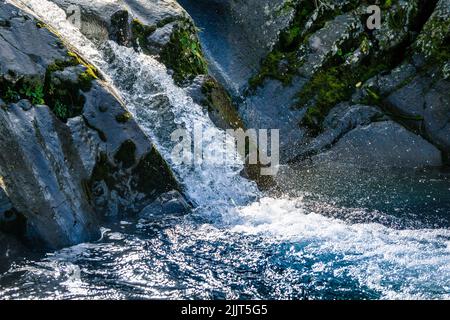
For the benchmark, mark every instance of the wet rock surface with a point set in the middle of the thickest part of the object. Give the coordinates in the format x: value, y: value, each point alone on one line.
x: 324, y: 56
x: 65, y: 166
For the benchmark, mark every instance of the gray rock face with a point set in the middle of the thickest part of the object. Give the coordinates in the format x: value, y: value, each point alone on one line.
x: 60, y: 179
x: 381, y: 144
x: 43, y: 176
x: 247, y: 30
x: 437, y: 115
x: 25, y: 49
x: 333, y: 35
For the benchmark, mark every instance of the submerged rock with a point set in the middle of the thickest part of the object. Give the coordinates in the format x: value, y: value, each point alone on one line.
x: 171, y: 203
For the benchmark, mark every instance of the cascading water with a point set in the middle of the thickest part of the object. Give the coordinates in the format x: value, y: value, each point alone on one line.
x: 249, y: 246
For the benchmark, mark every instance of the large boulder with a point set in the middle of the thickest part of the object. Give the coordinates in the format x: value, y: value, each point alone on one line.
x: 248, y: 29
x: 161, y: 28
x: 381, y: 144
x: 71, y: 152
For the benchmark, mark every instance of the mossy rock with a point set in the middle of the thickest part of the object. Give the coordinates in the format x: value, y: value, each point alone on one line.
x: 220, y: 105
x: 183, y: 53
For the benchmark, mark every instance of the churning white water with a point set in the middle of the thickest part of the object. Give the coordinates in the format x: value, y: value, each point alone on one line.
x: 253, y: 246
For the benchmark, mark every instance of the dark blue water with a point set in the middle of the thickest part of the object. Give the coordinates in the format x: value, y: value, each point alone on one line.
x: 276, y: 248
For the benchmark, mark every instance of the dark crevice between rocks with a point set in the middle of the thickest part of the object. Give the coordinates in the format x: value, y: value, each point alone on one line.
x: 14, y: 223
x: 125, y: 174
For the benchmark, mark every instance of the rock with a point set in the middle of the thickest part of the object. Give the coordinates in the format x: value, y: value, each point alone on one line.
x: 324, y: 43
x: 24, y: 104
x: 66, y: 166
x: 270, y: 108
x: 22, y: 42
x: 10, y: 250
x: 170, y: 203
x: 381, y: 144
x: 384, y: 84
x: 43, y: 177
x: 341, y: 119
x: 160, y: 27
x: 160, y: 37
x: 248, y: 30
x: 437, y: 115
x: 432, y: 42
x: 409, y: 101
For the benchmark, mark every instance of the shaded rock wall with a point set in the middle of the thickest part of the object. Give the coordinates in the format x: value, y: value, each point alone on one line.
x: 71, y: 152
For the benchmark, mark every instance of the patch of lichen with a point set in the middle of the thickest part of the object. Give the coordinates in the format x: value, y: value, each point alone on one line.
x: 220, y: 106
x: 91, y: 73
x: 183, y: 53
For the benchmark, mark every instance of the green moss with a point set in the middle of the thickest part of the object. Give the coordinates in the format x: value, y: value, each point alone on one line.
x: 8, y: 92
x: 65, y: 99
x: 277, y: 65
x: 91, y: 70
x: 124, y: 117
x: 434, y: 40
x: 327, y: 88
x: 183, y: 54
x: 387, y: 4
x: 26, y: 88
x: 85, y: 80
x: 34, y: 92
x: 397, y: 19
x: 333, y: 85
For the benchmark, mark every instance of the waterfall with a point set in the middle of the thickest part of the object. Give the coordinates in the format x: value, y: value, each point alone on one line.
x: 159, y: 107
